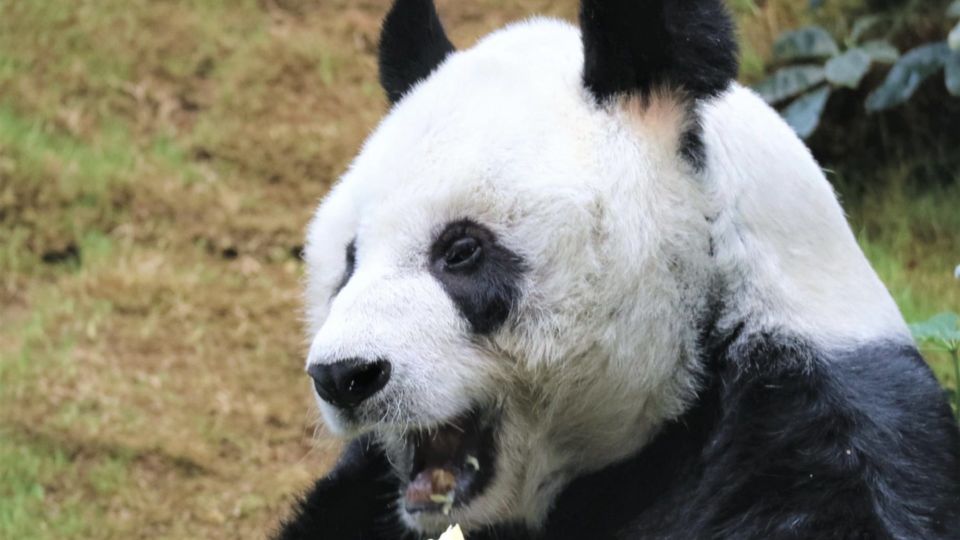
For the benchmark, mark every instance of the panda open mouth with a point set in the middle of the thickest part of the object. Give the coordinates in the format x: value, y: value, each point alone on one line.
x: 451, y: 464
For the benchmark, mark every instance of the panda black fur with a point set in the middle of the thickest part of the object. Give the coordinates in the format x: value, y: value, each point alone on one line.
x: 863, y: 450
x: 630, y: 278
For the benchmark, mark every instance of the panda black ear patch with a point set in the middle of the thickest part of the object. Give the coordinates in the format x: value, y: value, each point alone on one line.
x: 639, y: 46
x: 412, y: 44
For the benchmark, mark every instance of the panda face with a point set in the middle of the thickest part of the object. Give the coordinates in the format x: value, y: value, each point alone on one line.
x: 516, y: 280
x: 517, y: 291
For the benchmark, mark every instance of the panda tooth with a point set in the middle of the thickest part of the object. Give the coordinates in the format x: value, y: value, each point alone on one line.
x: 473, y: 462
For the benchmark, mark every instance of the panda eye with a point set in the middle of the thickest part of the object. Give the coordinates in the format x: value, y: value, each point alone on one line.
x: 463, y: 254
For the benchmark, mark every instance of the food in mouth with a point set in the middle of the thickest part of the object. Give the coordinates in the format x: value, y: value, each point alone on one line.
x: 450, y: 465
x: 452, y: 533
x: 436, y: 486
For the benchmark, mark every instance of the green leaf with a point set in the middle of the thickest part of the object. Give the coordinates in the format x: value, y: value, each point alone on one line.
x: 804, y: 113
x: 953, y: 40
x: 805, y: 43
x: 882, y: 52
x: 863, y: 25
x: 789, y: 82
x: 954, y: 9
x: 848, y: 69
x: 907, y: 75
x: 952, y: 70
x: 942, y: 330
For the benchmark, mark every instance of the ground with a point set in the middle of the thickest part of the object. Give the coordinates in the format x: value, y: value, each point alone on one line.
x: 158, y: 164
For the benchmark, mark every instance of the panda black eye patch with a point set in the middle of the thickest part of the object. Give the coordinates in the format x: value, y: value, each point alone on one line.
x: 480, y: 275
x: 350, y: 266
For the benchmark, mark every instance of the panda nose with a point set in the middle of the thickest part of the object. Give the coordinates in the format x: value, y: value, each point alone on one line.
x: 347, y: 383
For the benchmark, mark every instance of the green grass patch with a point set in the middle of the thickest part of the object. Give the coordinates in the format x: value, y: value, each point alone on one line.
x: 56, y: 189
x: 912, y: 238
x: 34, y: 503
x: 26, y: 471
x: 87, y: 170
x: 60, y: 192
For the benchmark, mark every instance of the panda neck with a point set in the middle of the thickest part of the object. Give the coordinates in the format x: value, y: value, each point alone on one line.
x: 783, y: 249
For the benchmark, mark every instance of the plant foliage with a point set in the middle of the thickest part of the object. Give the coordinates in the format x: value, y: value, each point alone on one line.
x: 812, y: 65
x: 942, y: 333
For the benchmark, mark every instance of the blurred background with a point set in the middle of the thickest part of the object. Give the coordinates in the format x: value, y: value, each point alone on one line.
x: 159, y: 160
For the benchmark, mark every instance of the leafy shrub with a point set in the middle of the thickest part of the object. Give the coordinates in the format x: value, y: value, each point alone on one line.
x: 813, y: 66
x: 942, y: 333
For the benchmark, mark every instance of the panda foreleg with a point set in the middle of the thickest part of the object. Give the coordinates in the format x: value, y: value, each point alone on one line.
x: 356, y: 500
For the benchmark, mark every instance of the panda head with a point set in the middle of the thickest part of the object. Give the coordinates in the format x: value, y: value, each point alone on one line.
x: 511, y: 284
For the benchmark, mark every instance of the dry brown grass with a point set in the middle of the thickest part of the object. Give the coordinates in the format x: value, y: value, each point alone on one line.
x: 164, y: 158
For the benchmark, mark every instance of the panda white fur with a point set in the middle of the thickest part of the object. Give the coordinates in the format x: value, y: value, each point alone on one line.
x: 612, y: 292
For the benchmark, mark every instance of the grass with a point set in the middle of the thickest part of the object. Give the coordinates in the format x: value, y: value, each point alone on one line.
x: 912, y: 238
x: 28, y: 472
x: 158, y: 162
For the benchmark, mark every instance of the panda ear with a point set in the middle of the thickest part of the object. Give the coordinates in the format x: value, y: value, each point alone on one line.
x: 638, y: 46
x: 412, y: 44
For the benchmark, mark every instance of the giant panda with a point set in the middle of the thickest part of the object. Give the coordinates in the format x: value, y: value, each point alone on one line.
x: 594, y: 288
